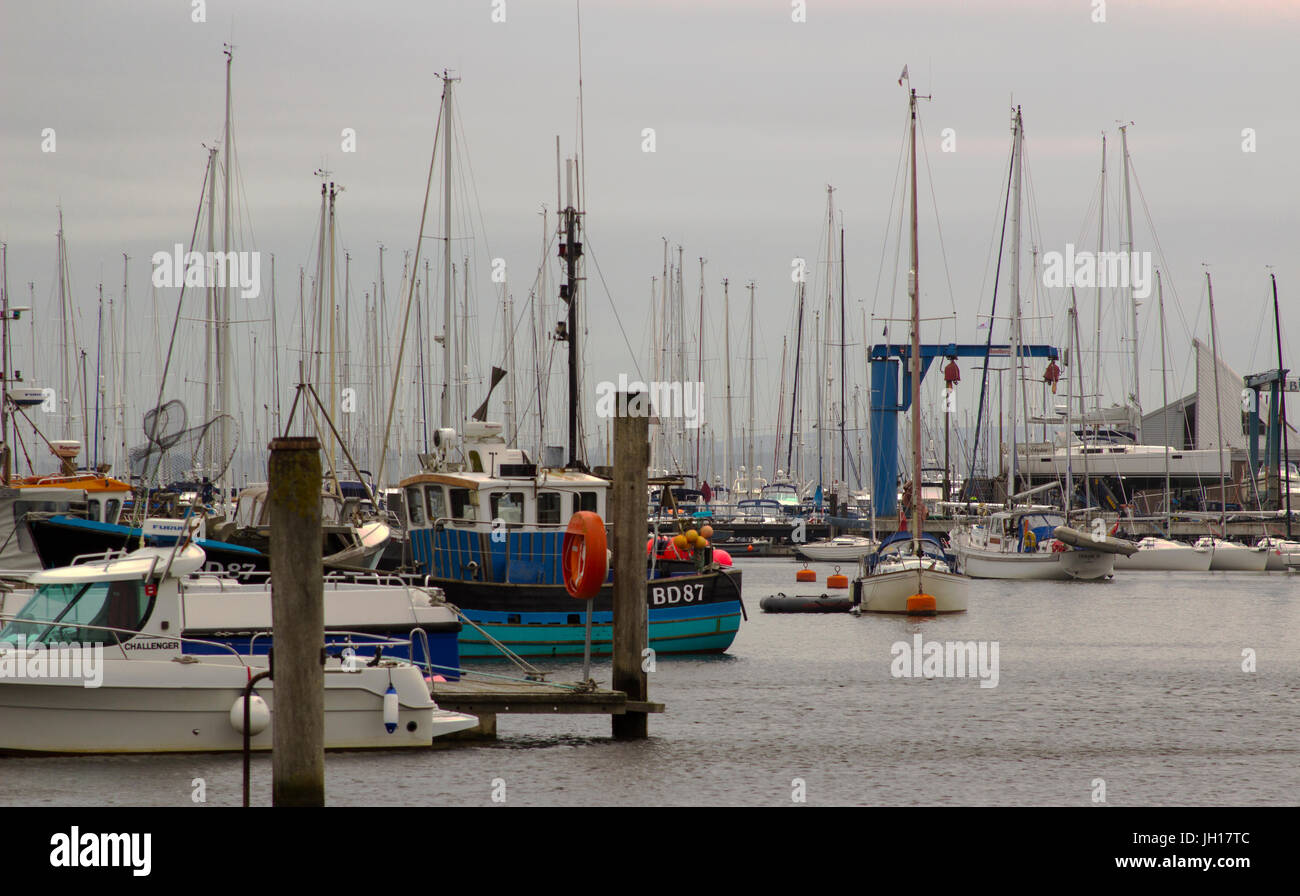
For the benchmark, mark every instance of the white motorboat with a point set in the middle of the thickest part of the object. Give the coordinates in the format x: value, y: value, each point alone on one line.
x: 1229, y: 556
x: 124, y: 681
x: 1023, y: 545
x: 840, y: 549
x: 1155, y: 553
x: 912, y: 577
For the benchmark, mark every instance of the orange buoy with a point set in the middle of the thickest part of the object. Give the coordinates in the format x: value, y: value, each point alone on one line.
x: 805, y: 575
x: 837, y: 581
x: 921, y: 605
x: 583, y: 555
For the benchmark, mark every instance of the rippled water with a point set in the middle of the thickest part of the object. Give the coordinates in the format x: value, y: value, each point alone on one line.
x: 1137, y: 682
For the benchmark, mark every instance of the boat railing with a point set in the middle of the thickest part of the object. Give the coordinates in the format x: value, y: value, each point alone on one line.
x: 337, y: 578
x: 118, y: 641
x: 442, y: 522
x: 223, y: 580
x: 105, y: 556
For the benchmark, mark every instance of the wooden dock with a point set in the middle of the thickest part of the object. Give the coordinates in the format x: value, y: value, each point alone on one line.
x: 487, y: 699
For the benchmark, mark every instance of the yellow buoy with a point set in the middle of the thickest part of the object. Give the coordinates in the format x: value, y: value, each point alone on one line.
x: 921, y: 605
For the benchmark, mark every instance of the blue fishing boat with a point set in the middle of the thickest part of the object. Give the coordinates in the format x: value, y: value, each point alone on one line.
x: 490, y: 537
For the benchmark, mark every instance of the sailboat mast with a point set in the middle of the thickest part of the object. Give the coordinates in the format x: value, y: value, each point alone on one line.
x: 1132, y: 299
x: 844, y: 445
x: 1101, y: 247
x: 123, y: 457
x: 914, y: 286
x: 1072, y: 326
x: 1218, y: 414
x: 445, y: 417
x: 1164, y: 398
x: 1281, y: 398
x: 1015, y: 296
x: 749, y: 482
x: 794, y: 399
x: 333, y: 357
x: 726, y: 354
x: 699, y: 367
x: 224, y: 355
x: 571, y: 249
x: 66, y: 378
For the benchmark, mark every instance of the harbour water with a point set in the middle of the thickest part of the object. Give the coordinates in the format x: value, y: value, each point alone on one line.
x: 1132, y: 692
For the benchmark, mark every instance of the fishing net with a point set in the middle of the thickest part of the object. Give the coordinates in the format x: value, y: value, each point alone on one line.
x: 176, y: 454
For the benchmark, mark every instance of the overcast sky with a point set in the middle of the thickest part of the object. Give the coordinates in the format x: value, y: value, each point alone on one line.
x: 754, y: 114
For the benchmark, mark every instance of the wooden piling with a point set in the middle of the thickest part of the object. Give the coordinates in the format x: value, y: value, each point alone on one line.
x: 298, y: 622
x: 627, y: 511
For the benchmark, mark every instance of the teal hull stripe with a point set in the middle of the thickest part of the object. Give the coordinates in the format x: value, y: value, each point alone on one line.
x: 699, y: 611
x: 694, y: 636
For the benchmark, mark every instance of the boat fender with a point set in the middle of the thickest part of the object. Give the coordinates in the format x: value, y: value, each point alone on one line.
x: 390, y: 709
x: 259, y: 716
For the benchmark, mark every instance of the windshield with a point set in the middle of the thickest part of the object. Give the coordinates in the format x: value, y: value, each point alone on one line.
x: 79, y: 612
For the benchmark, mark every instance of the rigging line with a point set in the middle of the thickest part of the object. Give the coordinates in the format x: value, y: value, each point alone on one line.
x: 993, y: 230
x: 997, y: 276
x: 397, y: 364
x: 934, y: 203
x: 180, y: 300
x: 1160, y: 249
x: 590, y: 252
x: 884, y: 244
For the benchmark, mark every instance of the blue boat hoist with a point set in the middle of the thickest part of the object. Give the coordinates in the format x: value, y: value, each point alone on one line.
x: 886, y: 404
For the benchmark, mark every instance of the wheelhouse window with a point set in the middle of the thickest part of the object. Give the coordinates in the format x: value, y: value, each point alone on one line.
x: 83, y: 612
x: 585, y: 501
x: 548, y: 508
x: 415, y: 506
x: 434, y: 502
x: 92, y: 509
x: 461, y: 508
x: 22, y: 508
x: 508, y: 506
x: 112, y: 508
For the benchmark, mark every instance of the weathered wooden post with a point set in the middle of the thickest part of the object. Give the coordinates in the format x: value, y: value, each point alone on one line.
x: 628, y: 512
x: 298, y: 622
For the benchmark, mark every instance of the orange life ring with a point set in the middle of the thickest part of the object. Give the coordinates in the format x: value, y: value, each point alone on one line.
x: 583, y: 555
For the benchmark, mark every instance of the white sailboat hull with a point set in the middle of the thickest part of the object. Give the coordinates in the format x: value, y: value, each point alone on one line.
x: 1160, y: 554
x: 888, y: 592
x: 1039, y: 566
x: 1231, y: 557
x: 837, y: 550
